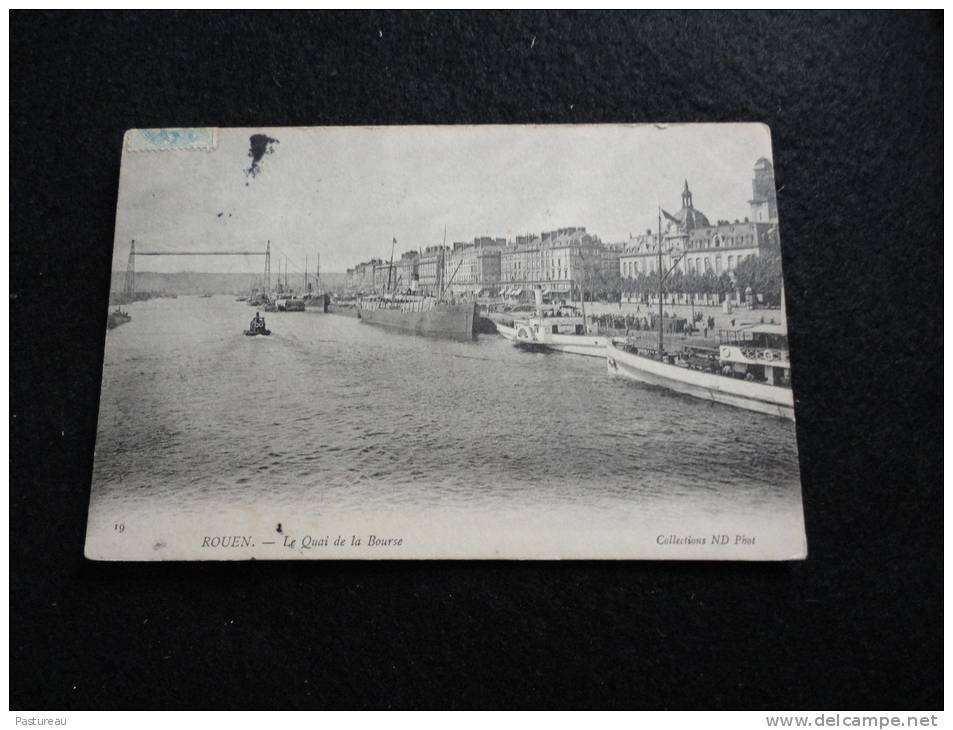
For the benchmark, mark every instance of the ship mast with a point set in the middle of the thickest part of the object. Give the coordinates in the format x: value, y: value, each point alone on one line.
x: 660, y: 342
x: 662, y: 277
x: 268, y: 269
x: 390, y: 267
x: 441, y: 262
x: 129, y: 285
x: 452, y: 276
x: 582, y: 290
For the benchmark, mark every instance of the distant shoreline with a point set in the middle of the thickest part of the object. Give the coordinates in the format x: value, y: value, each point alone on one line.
x: 207, y: 282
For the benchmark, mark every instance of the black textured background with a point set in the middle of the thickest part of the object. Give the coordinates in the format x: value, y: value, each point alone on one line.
x: 854, y: 102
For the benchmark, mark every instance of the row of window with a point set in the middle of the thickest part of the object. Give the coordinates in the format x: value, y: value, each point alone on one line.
x: 693, y: 264
x: 719, y: 241
x: 533, y: 265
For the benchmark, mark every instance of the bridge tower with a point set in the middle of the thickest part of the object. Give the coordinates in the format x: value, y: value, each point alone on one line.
x: 268, y: 268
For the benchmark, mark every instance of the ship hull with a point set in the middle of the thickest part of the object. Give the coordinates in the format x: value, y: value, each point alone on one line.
x: 453, y: 321
x: 342, y: 310
x: 318, y: 303
x: 505, y: 330
x: 759, y: 397
x: 517, y: 334
x: 587, y: 345
x: 114, y: 319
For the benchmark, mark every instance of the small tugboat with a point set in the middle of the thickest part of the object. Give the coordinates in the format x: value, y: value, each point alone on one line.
x: 257, y: 327
x: 116, y: 318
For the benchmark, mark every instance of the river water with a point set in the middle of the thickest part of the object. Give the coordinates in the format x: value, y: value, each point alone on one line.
x: 463, y: 448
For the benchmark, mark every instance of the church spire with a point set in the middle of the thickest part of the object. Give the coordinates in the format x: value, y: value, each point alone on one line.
x: 686, y: 196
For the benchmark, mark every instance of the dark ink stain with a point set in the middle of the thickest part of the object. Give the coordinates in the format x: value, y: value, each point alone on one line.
x: 220, y: 215
x: 261, y: 145
x: 278, y: 529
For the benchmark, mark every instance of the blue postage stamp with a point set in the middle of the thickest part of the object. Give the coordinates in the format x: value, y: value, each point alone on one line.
x: 173, y: 138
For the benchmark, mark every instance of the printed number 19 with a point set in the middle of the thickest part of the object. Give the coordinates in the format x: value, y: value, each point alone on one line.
x: 119, y: 527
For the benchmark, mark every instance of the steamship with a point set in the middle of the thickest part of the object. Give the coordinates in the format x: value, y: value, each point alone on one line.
x: 558, y: 328
x: 419, y: 314
x: 751, y: 368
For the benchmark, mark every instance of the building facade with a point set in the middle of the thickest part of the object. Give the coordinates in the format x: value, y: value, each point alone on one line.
x: 430, y: 267
x: 383, y: 276
x: 611, y: 253
x: 693, y: 245
x: 471, y: 267
x: 555, y: 261
x: 361, y: 277
x: 567, y: 259
x: 405, y: 272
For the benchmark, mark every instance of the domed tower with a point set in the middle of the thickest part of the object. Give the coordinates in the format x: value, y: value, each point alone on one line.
x: 688, y: 218
x: 764, y: 201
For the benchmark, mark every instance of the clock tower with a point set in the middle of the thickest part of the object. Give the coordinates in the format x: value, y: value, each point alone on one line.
x: 764, y: 201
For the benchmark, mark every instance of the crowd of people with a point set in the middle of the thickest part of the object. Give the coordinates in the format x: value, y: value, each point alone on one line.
x: 671, y: 323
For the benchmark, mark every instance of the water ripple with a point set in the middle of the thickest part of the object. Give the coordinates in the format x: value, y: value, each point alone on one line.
x: 331, y: 411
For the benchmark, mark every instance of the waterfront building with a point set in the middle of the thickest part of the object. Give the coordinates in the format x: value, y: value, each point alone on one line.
x: 611, y: 253
x: 694, y: 245
x: 430, y: 266
x: 383, y: 276
x: 555, y: 261
x: 488, y: 268
x: 361, y: 277
x: 405, y: 271
x: 515, y: 262
x: 471, y: 267
x: 721, y: 248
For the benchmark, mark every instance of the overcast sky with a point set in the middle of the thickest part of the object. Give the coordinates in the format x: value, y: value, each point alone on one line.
x: 347, y: 191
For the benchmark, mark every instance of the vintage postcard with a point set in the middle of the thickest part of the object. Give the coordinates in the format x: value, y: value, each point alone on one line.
x: 473, y: 342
